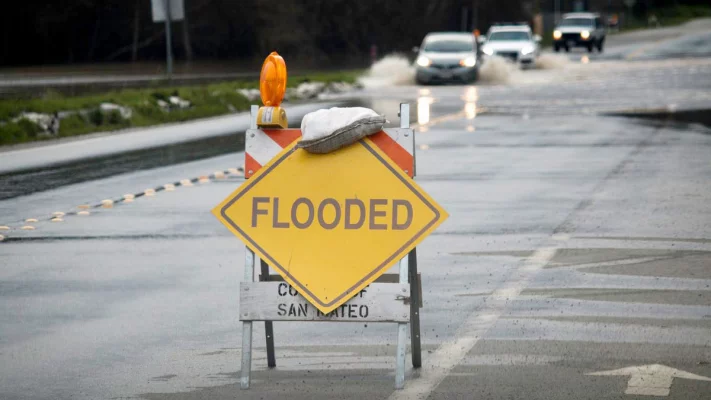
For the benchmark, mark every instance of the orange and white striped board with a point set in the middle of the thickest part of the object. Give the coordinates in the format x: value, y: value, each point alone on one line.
x: 263, y: 144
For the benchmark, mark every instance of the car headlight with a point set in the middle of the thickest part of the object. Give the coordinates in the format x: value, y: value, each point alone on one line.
x: 423, y: 61
x: 527, y: 50
x: 557, y: 34
x: 468, y: 62
x: 487, y: 50
x: 585, y: 34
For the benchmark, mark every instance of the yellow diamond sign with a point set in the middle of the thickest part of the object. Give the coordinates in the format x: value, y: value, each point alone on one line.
x: 330, y: 224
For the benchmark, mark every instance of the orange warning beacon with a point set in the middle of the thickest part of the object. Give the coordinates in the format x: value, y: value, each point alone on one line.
x: 272, y: 86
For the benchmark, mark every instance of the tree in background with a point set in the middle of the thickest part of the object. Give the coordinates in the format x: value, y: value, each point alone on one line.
x: 307, y: 32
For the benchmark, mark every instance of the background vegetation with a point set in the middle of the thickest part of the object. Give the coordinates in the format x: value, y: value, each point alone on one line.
x: 206, y: 101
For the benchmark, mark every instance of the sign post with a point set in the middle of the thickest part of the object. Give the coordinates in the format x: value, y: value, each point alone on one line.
x: 168, y: 11
x: 404, y: 265
x: 168, y: 41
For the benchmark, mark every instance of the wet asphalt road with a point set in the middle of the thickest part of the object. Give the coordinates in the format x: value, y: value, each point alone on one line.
x: 577, y: 243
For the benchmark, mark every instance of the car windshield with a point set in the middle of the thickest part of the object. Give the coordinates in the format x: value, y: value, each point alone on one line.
x: 576, y: 22
x: 514, y: 35
x: 449, y: 46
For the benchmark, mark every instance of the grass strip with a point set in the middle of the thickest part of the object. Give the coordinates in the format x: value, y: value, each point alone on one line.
x: 82, y: 114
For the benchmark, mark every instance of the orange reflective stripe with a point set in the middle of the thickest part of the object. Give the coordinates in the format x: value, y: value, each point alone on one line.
x: 283, y: 137
x: 251, y: 166
x: 396, y: 153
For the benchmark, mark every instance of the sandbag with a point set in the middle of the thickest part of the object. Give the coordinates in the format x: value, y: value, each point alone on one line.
x: 324, y: 131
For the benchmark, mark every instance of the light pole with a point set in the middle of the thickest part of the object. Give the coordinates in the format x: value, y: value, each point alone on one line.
x: 168, y: 44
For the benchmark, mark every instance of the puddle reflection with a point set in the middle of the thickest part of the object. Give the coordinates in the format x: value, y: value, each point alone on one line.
x: 470, y: 110
x: 471, y: 96
x: 423, y: 109
x: 425, y: 101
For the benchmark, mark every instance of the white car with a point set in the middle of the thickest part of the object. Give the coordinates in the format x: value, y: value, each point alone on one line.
x: 511, y: 41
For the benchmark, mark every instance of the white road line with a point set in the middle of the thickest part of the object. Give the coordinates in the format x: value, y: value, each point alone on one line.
x: 615, y: 263
x: 452, y: 352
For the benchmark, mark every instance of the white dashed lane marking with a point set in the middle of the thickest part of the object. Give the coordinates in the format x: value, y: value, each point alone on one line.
x: 452, y: 352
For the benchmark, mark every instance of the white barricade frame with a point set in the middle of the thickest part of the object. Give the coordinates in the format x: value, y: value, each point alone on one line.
x: 392, y: 298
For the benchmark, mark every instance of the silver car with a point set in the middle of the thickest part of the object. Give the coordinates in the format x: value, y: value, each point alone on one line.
x: 445, y: 56
x: 513, y: 42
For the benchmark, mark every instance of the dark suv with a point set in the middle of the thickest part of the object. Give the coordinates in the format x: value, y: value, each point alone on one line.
x: 579, y: 30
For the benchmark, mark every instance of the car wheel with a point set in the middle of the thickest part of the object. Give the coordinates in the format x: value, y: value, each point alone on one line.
x: 590, y: 47
x: 600, y: 45
x: 567, y: 49
x: 473, y: 78
x: 556, y: 48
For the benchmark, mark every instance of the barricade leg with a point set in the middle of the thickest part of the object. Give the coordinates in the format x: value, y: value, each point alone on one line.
x: 415, y: 302
x: 246, y: 369
x: 268, y: 325
x: 401, y: 336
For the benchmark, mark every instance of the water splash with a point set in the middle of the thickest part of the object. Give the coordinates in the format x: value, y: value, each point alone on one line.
x: 552, y: 61
x: 392, y: 70
x: 496, y: 70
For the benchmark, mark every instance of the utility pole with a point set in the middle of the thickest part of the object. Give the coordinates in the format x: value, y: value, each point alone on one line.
x: 168, y: 44
x: 465, y: 16
x: 475, y: 15
x: 167, y: 11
